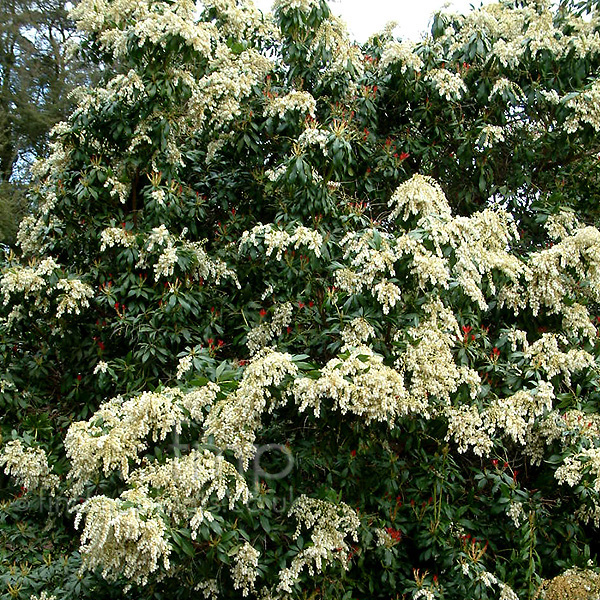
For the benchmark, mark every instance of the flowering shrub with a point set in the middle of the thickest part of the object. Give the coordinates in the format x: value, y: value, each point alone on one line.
x: 293, y: 318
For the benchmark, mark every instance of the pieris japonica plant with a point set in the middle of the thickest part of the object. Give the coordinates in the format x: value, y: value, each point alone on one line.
x: 296, y: 318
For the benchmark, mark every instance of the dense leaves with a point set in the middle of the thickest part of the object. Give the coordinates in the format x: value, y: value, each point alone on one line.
x: 295, y: 318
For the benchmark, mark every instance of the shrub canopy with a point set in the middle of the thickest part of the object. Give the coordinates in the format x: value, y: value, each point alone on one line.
x: 295, y: 318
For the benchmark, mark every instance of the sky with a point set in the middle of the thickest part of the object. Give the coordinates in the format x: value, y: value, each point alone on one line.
x: 365, y: 17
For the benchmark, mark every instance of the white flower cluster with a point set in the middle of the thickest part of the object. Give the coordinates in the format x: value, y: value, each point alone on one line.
x: 34, y: 282
x: 586, y: 109
x: 205, y: 267
x: 126, y: 537
x: 276, y: 173
x: 586, y: 513
x: 268, y: 291
x: 428, y: 359
x: 5, y: 385
x: 280, y: 240
x: 184, y: 365
x: 125, y: 87
x: 15, y: 315
x: 517, y: 338
x: 29, y: 466
x: 314, y: 136
x: 117, y: 432
x: 115, y: 22
x: 548, y: 283
x: 387, y: 294
x: 29, y: 281
x: 101, y: 367
x: 129, y: 535
x: 429, y: 268
x: 383, y: 538
x: 550, y: 96
x: 562, y: 225
x: 584, y: 37
x: 515, y: 417
x: 506, y: 592
x: 359, y: 384
x: 448, y: 85
x: 233, y: 421
x: 158, y: 236
x: 332, y: 43
x: 260, y: 336
x: 241, y: 20
x: 369, y: 264
x: 166, y: 262
x: 217, y: 96
x: 504, y: 86
x: 574, y: 467
x: 466, y: 429
x: 490, y: 136
x: 73, y: 296
x: 184, y: 485
x: 158, y: 195
x: 118, y: 188
x: 330, y: 524
x: 481, y: 246
x: 569, y: 428
x: 244, y: 571
x: 56, y: 160
x: 356, y: 333
x: 545, y: 354
x: 305, y: 6
x: 516, y: 513
x: 303, y: 102
x: 421, y: 196
x: 543, y: 36
x: 488, y: 579
x: 552, y: 276
x: 209, y: 589
x: 403, y: 53
x: 30, y: 236
x: 513, y: 33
